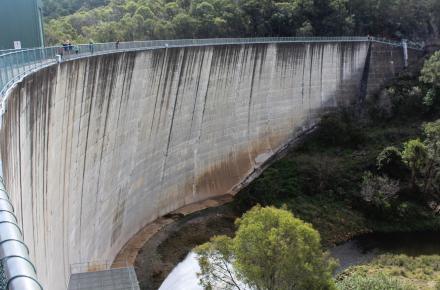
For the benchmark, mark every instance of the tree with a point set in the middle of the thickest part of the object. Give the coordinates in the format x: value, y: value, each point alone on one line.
x: 432, y: 170
x: 184, y: 25
x: 431, y: 70
x: 215, y: 260
x: 271, y: 250
x: 56, y: 8
x: 379, y: 190
x: 430, y: 76
x: 145, y: 19
x: 331, y: 17
x: 415, y: 154
x: 259, y: 13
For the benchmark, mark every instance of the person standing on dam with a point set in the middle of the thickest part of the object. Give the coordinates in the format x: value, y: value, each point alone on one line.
x: 91, y: 47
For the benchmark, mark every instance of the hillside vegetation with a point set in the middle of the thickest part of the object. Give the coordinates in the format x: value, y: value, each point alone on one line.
x: 125, y: 20
x: 352, y: 175
x: 397, y: 272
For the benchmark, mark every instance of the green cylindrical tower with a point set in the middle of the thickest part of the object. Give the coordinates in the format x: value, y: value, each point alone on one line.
x: 21, y: 20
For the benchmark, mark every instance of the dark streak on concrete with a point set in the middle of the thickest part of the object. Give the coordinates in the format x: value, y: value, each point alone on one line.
x: 93, y: 69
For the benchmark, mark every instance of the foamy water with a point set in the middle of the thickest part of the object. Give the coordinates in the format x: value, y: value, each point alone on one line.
x: 184, y: 275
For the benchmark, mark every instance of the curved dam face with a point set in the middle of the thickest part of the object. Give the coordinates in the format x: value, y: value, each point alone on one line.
x: 96, y: 148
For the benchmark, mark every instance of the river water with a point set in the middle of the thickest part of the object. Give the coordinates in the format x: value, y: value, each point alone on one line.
x: 357, y: 251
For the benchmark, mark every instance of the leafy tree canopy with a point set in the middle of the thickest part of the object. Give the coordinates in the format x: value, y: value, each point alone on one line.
x: 271, y: 250
x: 431, y: 71
x: 125, y: 20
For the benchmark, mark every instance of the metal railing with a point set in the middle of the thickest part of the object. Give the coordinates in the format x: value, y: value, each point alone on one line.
x: 15, y: 64
x: 4, y: 51
x: 410, y: 44
x: 97, y: 266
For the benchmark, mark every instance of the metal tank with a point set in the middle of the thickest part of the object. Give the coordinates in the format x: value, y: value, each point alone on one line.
x: 21, y: 20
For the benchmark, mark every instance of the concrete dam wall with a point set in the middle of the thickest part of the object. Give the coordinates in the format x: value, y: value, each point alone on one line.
x: 96, y: 148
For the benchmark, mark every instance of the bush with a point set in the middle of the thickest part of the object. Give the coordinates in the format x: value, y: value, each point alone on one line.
x: 407, y: 103
x: 340, y: 130
x: 430, y: 76
x: 379, y: 191
x: 278, y: 182
x: 390, y: 163
x: 430, y: 73
x: 371, y: 282
x: 393, y: 271
x: 415, y: 155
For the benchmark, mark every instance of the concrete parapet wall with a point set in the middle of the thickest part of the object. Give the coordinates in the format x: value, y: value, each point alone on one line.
x: 94, y: 149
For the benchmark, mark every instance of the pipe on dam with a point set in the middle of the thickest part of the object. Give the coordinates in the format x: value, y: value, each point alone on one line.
x: 96, y: 148
x: 16, y: 270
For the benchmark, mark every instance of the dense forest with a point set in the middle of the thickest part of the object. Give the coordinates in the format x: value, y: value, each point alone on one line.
x: 110, y: 20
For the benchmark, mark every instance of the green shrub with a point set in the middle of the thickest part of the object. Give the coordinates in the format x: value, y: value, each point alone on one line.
x: 363, y: 281
x: 415, y: 155
x: 340, y: 129
x: 390, y: 162
x: 379, y: 191
x: 407, y: 101
x: 430, y: 77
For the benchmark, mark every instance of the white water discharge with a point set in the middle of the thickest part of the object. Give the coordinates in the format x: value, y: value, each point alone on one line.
x: 184, y: 275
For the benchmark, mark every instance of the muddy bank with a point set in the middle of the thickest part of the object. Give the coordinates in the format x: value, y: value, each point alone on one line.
x: 169, y: 246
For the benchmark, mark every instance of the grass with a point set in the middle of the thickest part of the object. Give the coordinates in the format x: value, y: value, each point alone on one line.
x: 422, y: 272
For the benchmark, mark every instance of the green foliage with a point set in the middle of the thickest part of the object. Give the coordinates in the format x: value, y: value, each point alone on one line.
x: 423, y: 158
x: 390, y: 163
x: 57, y: 8
x: 215, y: 261
x: 431, y: 70
x: 412, y: 96
x: 372, y: 282
x: 271, y: 250
x: 402, y: 271
x: 379, y: 191
x: 321, y: 183
x: 406, y: 100
x: 340, y: 129
x: 430, y: 76
x: 415, y: 155
x: 431, y: 173
x: 108, y: 20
